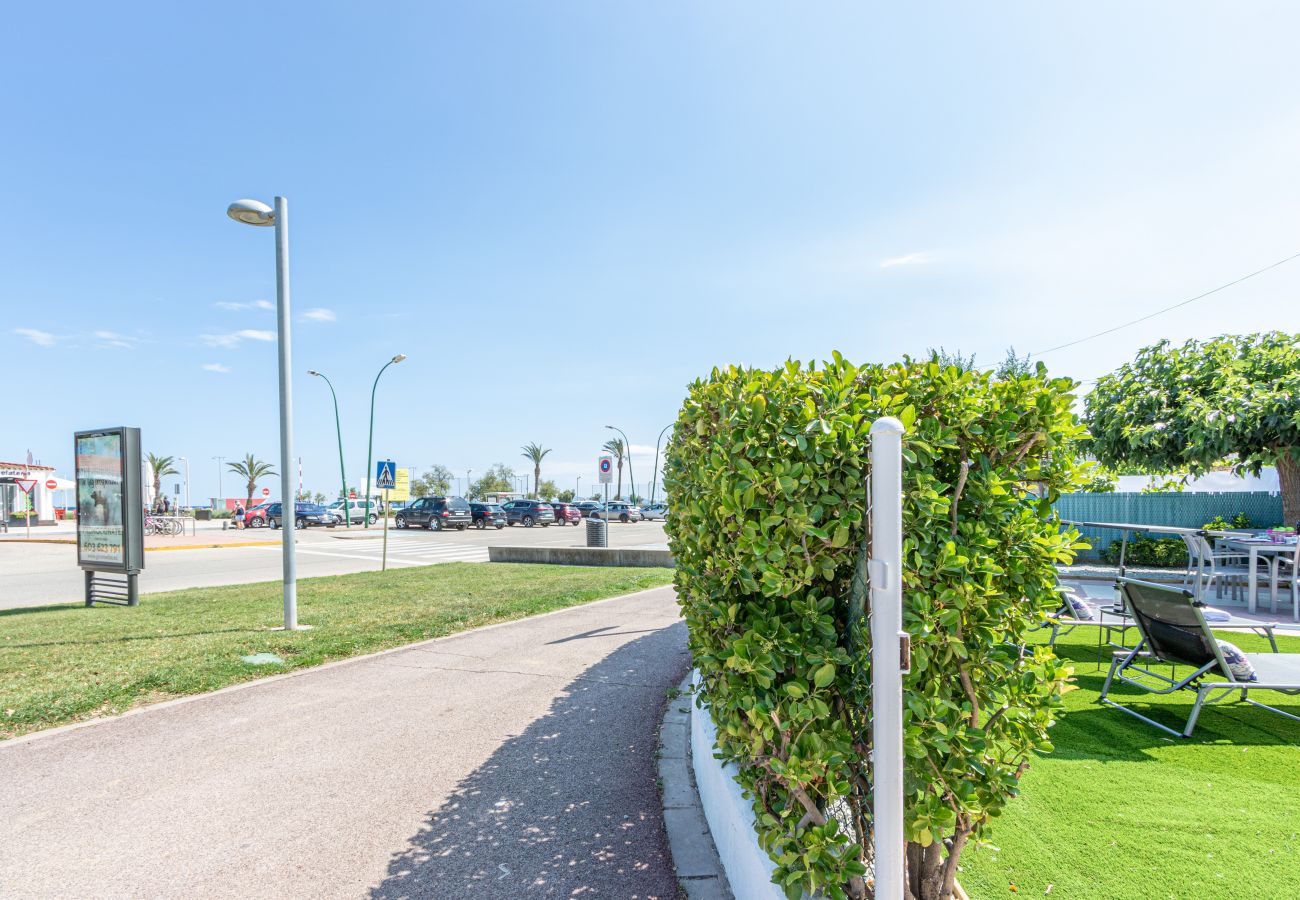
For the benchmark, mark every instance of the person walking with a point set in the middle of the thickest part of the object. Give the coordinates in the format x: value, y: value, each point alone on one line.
x: 239, y: 515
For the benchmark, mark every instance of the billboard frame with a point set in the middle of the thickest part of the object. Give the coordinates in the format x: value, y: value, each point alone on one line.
x: 131, y: 560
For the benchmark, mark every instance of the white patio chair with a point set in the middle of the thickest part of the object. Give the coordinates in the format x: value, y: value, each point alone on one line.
x: 1287, y: 571
x: 1207, y: 567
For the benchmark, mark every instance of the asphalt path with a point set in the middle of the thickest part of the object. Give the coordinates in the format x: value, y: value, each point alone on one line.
x: 511, y: 761
x: 35, y: 574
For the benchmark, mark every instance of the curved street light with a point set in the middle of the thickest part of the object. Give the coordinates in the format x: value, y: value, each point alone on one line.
x: 370, y: 446
x: 628, y: 453
x: 255, y: 212
x: 655, y: 475
x: 338, y: 428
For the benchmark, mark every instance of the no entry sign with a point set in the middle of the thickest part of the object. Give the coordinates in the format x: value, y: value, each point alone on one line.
x: 51, y: 484
x: 266, y: 492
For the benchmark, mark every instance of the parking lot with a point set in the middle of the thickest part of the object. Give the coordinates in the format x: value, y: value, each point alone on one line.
x: 33, y: 574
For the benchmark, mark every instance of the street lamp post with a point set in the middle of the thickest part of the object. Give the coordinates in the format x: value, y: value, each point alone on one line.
x: 254, y: 212
x: 654, y: 477
x: 186, y: 460
x: 577, y: 488
x: 338, y: 428
x: 627, y: 451
x: 467, y: 471
x: 370, y: 447
x: 221, y: 461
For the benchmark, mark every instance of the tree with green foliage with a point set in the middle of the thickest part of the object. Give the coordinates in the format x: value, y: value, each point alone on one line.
x: 250, y: 468
x: 436, y: 482
x: 497, y: 478
x: 535, y: 453
x: 547, y: 490
x: 770, y: 533
x: 565, y: 496
x: 160, y: 467
x: 616, y: 447
x: 1188, y: 408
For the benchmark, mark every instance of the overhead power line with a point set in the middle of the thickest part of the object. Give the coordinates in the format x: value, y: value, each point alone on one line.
x: 1159, y: 312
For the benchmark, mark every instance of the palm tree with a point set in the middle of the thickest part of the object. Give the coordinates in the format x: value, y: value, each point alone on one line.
x: 535, y: 452
x: 616, y: 447
x: 250, y: 468
x: 160, y: 466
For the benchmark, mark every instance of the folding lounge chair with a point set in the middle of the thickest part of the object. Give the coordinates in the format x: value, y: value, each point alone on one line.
x: 1066, y: 619
x: 1174, y: 630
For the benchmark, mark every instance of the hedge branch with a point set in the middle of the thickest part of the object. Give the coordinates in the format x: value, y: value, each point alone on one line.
x: 961, y: 486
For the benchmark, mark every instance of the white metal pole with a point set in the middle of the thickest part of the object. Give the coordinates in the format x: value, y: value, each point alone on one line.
x: 288, y: 503
x: 889, y: 653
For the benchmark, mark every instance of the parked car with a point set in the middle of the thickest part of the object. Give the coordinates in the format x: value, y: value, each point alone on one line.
x: 435, y: 513
x: 619, y: 511
x: 566, y: 512
x: 528, y: 513
x: 586, y: 507
x: 486, y: 514
x: 657, y: 510
x: 256, y: 517
x: 356, y: 510
x: 305, y: 515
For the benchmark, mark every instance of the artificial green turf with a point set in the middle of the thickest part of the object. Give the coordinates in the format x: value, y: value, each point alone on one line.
x: 60, y: 664
x: 1122, y: 810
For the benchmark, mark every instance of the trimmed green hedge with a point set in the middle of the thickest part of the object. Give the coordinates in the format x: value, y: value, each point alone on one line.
x: 767, y: 474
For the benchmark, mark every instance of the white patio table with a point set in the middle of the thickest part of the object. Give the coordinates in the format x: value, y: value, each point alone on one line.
x: 1256, y: 548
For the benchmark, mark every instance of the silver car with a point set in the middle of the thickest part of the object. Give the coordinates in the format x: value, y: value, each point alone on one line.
x: 618, y: 511
x: 658, y: 510
x: 356, y: 510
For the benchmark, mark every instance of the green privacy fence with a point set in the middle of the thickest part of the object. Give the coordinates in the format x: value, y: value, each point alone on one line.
x: 1186, y: 510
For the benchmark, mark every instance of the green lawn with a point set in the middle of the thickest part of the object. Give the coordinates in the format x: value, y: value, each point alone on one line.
x: 1121, y: 810
x: 59, y: 664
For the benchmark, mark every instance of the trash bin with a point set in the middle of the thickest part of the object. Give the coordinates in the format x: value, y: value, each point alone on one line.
x: 597, y: 535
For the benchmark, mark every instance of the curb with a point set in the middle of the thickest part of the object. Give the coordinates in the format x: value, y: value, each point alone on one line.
x: 695, y: 858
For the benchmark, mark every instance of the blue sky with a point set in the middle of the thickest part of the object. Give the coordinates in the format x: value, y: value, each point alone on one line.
x: 565, y: 212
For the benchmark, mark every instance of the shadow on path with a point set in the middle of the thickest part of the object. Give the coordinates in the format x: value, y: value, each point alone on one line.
x: 569, y: 808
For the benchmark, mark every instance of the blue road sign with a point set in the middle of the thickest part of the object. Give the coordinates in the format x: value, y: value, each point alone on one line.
x: 385, y: 475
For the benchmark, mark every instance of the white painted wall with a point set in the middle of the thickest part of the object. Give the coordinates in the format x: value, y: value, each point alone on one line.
x: 729, y: 814
x: 1214, y: 481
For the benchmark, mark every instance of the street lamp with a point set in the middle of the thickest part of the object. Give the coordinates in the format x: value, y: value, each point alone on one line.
x: 221, y: 460
x: 655, y: 475
x: 254, y: 212
x: 370, y: 448
x: 187, y: 481
x: 627, y: 452
x: 338, y: 428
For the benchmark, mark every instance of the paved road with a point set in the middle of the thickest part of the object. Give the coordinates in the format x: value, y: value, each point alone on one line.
x: 513, y: 761
x: 37, y: 574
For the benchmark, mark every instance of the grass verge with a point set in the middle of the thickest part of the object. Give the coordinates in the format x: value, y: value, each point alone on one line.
x: 1120, y: 810
x: 61, y: 664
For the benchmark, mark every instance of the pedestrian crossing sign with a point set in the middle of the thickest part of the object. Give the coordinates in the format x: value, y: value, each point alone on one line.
x: 385, y: 475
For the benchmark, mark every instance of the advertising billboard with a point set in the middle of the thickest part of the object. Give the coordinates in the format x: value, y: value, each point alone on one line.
x: 110, y: 508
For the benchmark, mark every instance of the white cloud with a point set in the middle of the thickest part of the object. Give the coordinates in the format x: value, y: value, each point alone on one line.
x: 235, y: 307
x: 215, y: 367
x: 36, y: 336
x: 320, y: 314
x: 233, y: 338
x: 908, y: 259
x: 113, y: 339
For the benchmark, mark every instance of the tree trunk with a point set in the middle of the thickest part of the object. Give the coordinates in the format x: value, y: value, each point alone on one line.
x: 1288, y: 473
x: 537, y: 482
x: 619, y: 493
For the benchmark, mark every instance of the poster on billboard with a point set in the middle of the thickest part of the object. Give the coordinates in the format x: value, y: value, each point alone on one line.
x: 109, y: 502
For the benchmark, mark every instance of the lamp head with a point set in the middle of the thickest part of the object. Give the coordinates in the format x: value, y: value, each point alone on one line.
x: 399, y: 357
x: 313, y: 372
x: 251, y: 212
